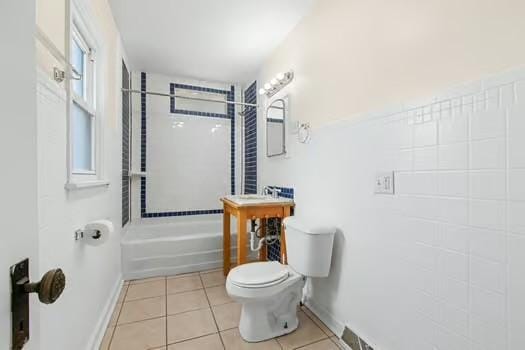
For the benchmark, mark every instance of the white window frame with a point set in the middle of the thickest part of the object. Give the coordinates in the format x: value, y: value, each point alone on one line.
x: 80, y: 29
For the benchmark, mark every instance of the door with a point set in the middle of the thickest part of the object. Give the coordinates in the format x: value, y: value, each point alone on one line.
x: 18, y: 152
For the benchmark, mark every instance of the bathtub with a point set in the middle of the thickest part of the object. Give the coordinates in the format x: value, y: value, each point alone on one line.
x: 171, y: 246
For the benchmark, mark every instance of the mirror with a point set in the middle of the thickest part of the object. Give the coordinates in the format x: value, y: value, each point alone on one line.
x: 275, y: 128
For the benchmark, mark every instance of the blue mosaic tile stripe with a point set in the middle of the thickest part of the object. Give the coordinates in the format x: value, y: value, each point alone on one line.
x: 182, y: 213
x: 173, y: 108
x: 143, y: 143
x: 231, y: 114
x: 230, y: 95
x: 274, y: 251
x: 250, y: 141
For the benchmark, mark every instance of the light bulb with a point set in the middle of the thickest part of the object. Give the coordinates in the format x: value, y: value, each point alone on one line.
x: 262, y: 91
x: 267, y: 86
x: 280, y: 76
x: 274, y: 82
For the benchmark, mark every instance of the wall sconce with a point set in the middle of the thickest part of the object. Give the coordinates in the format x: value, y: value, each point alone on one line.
x: 276, y: 84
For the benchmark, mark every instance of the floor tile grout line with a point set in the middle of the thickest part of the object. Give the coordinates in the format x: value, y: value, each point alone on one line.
x: 145, y: 298
x: 186, y: 291
x: 333, y: 341
x: 190, y: 339
x: 187, y: 311
x: 138, y: 321
x: 319, y: 340
x: 311, y: 318
x: 126, y: 287
x: 145, y: 280
x: 166, y: 310
x: 161, y: 295
x: 212, y: 314
x: 312, y: 343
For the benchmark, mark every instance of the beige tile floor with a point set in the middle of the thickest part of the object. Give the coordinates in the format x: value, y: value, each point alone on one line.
x: 194, y: 312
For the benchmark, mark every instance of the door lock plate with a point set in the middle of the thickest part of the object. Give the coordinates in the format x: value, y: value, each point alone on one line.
x: 19, y: 304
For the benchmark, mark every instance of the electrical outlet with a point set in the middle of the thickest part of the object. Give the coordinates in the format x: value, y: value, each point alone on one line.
x: 384, y: 183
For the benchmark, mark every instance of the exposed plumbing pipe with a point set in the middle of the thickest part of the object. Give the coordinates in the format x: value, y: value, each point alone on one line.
x: 252, y: 242
x: 253, y: 246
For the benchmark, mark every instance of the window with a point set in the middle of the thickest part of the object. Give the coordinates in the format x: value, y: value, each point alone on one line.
x: 82, y: 115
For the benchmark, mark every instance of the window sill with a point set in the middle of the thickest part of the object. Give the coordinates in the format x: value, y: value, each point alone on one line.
x: 72, y: 186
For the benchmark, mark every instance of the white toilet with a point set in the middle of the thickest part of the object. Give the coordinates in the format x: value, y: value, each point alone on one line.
x: 270, y: 291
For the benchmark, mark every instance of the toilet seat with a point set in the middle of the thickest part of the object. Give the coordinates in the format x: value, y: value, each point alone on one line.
x: 258, y: 274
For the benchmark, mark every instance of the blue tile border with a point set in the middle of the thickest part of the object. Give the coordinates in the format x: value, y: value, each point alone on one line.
x: 182, y: 213
x: 173, y: 108
x: 250, y: 141
x: 230, y: 96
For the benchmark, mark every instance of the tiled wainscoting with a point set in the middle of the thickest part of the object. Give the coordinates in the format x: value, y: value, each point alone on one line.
x: 194, y: 312
x: 440, y: 264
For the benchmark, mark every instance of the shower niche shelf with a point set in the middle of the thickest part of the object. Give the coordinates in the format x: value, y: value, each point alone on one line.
x: 137, y: 174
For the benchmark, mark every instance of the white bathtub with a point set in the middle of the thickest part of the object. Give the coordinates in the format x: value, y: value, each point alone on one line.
x: 171, y: 246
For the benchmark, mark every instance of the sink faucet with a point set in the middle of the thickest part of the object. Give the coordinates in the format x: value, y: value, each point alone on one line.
x: 274, y: 192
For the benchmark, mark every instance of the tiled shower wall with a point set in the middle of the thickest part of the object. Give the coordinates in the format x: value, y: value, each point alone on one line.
x: 185, y: 146
x: 449, y: 247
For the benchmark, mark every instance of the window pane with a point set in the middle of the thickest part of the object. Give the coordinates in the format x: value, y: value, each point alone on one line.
x: 78, y: 61
x: 82, y: 139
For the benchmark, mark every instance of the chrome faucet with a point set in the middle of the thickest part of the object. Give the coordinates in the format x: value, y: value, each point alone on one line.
x: 274, y: 192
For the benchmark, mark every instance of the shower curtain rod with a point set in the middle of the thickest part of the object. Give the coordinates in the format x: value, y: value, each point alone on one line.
x: 190, y: 98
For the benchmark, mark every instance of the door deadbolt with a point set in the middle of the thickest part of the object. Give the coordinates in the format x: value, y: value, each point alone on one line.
x: 49, y: 289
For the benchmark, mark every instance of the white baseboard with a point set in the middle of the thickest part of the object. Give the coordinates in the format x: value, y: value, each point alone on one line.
x: 100, y: 329
x: 328, y: 319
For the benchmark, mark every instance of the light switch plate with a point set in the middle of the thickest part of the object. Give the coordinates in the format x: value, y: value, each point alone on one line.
x: 384, y: 183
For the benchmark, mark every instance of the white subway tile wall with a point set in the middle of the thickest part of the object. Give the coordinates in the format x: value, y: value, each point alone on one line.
x: 449, y: 247
x: 461, y: 201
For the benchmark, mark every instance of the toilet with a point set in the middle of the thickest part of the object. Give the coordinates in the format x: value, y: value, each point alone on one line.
x: 270, y: 291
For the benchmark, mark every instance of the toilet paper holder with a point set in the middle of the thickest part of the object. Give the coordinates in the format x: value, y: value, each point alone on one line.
x: 81, y: 233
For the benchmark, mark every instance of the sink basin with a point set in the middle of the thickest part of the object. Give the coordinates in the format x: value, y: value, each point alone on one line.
x: 256, y: 199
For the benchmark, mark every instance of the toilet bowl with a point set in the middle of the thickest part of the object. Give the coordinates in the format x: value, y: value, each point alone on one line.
x: 270, y: 291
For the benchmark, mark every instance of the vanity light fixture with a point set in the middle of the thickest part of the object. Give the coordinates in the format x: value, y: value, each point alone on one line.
x: 276, y: 84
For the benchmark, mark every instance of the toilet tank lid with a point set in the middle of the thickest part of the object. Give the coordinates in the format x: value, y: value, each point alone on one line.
x: 308, y: 226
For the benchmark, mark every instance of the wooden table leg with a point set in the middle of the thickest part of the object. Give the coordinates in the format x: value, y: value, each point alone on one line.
x: 241, y: 238
x: 263, y: 253
x: 284, y: 259
x: 226, y: 234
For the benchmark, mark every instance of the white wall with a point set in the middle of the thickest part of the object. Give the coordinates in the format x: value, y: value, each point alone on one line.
x: 93, y: 274
x: 438, y: 265
x: 354, y: 56
x: 18, y: 149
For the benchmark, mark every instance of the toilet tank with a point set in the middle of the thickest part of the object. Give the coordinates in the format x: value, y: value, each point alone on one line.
x: 308, y: 246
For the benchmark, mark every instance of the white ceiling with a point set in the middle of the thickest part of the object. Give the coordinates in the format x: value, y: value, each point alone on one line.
x: 219, y: 40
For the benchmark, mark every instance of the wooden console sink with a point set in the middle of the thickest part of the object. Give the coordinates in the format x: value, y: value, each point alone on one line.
x: 251, y: 207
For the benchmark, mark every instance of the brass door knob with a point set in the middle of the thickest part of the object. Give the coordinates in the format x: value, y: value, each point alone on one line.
x: 50, y: 286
